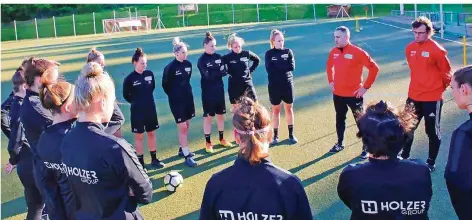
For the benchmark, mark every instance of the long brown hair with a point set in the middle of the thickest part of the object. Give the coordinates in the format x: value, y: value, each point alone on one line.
x: 35, y: 67
x: 18, y: 79
x: 54, y: 94
x: 252, y: 122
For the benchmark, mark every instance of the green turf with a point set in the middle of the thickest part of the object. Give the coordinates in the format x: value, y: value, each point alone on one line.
x: 218, y: 14
x: 314, y: 121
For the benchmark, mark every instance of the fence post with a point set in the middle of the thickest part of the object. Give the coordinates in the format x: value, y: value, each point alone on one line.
x: 208, y: 16
x: 257, y: 5
x: 159, y: 17
x: 36, y: 25
x: 136, y: 13
x: 183, y: 16
x: 314, y: 12
x: 94, y: 28
x: 232, y: 8
x: 416, y: 12
x: 441, y: 20
x: 16, y: 35
x: 54, y: 23
x: 372, y: 9
x: 73, y: 21
x: 286, y: 13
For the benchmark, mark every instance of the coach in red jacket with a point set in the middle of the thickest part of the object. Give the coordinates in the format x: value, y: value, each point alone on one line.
x: 348, y: 61
x: 430, y: 73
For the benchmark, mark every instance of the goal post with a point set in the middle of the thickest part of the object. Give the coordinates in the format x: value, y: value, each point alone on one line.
x: 142, y: 23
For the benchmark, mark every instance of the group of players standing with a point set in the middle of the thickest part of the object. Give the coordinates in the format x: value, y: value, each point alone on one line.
x: 67, y: 137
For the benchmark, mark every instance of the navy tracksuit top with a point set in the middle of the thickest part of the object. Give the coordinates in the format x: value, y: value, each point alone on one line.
x: 262, y: 191
x: 279, y: 65
x: 387, y: 189
x: 102, y: 170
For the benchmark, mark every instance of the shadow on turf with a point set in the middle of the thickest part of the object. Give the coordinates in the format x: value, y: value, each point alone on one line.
x: 188, y: 172
x: 13, y: 207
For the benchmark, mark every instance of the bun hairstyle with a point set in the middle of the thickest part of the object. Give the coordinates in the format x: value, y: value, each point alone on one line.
x: 178, y: 44
x: 273, y: 34
x: 234, y: 38
x: 384, y: 128
x: 18, y: 79
x: 92, y: 83
x: 208, y: 38
x: 252, y: 122
x: 54, y: 94
x: 93, y: 55
x: 137, y: 54
x: 35, y: 67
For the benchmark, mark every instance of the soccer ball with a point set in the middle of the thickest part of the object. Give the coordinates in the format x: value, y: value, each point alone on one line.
x: 173, y: 180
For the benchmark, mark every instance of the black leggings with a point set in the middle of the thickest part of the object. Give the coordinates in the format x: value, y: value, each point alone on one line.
x: 341, y: 106
x: 34, y: 200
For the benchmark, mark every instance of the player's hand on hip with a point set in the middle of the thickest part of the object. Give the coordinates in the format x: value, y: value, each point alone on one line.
x: 9, y: 168
x: 332, y: 86
x: 360, y: 93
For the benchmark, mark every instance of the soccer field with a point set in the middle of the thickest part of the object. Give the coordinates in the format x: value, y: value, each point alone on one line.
x: 314, y: 110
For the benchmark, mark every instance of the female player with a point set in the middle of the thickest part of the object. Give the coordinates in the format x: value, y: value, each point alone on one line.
x: 117, y: 119
x: 253, y: 184
x: 459, y: 168
x: 237, y: 61
x: 280, y: 63
x: 176, y: 84
x: 20, y: 153
x: 103, y: 171
x: 138, y: 88
x: 58, y: 98
x: 212, y: 70
x: 34, y: 117
x: 372, y: 190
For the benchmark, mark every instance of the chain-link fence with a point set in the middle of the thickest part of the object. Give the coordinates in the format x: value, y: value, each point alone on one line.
x: 208, y: 14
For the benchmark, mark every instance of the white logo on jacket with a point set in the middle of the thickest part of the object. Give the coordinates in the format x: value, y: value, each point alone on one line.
x: 86, y: 176
x: 413, y: 52
x: 218, y: 61
x: 406, y: 208
x: 348, y: 56
x: 136, y: 83
x: 229, y: 215
x: 425, y: 54
x: 284, y: 56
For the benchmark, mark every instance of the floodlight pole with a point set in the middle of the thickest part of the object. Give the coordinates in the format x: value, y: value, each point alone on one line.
x: 183, y: 16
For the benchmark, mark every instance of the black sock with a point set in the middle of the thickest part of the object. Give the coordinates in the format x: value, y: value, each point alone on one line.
x: 153, y: 155
x: 207, y: 138
x: 141, y: 159
x: 276, y: 132
x: 290, y: 131
x: 221, y: 134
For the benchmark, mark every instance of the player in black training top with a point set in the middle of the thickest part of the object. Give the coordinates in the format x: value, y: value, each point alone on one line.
x: 254, y: 188
x: 33, y: 116
x: 117, y: 119
x: 240, y: 79
x: 21, y: 157
x: 103, y: 171
x: 58, y: 98
x: 386, y: 187
x: 5, y: 119
x: 458, y: 172
x: 280, y: 64
x: 213, y: 70
x: 138, y: 88
x: 176, y: 84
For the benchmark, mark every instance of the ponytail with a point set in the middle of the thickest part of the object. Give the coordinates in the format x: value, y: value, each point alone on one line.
x: 54, y: 94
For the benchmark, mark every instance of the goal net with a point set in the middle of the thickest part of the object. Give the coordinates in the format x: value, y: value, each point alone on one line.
x: 142, y: 23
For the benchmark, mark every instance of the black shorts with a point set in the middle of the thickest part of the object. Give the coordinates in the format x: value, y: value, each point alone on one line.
x: 144, y: 120
x: 213, y: 104
x: 281, y: 92
x: 182, y: 109
x: 236, y: 91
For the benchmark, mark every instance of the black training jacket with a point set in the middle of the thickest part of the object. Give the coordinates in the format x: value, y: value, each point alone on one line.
x: 18, y: 146
x: 212, y: 69
x: 279, y: 65
x: 138, y: 89
x: 5, y: 119
x: 238, y: 66
x: 176, y: 80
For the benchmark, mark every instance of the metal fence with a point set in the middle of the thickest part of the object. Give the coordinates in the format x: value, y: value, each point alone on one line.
x: 208, y: 14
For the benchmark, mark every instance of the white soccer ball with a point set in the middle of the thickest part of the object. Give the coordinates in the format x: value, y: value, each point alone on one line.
x: 173, y: 180
x: 361, y: 28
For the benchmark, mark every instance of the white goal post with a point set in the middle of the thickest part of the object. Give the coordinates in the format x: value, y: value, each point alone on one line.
x: 142, y: 23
